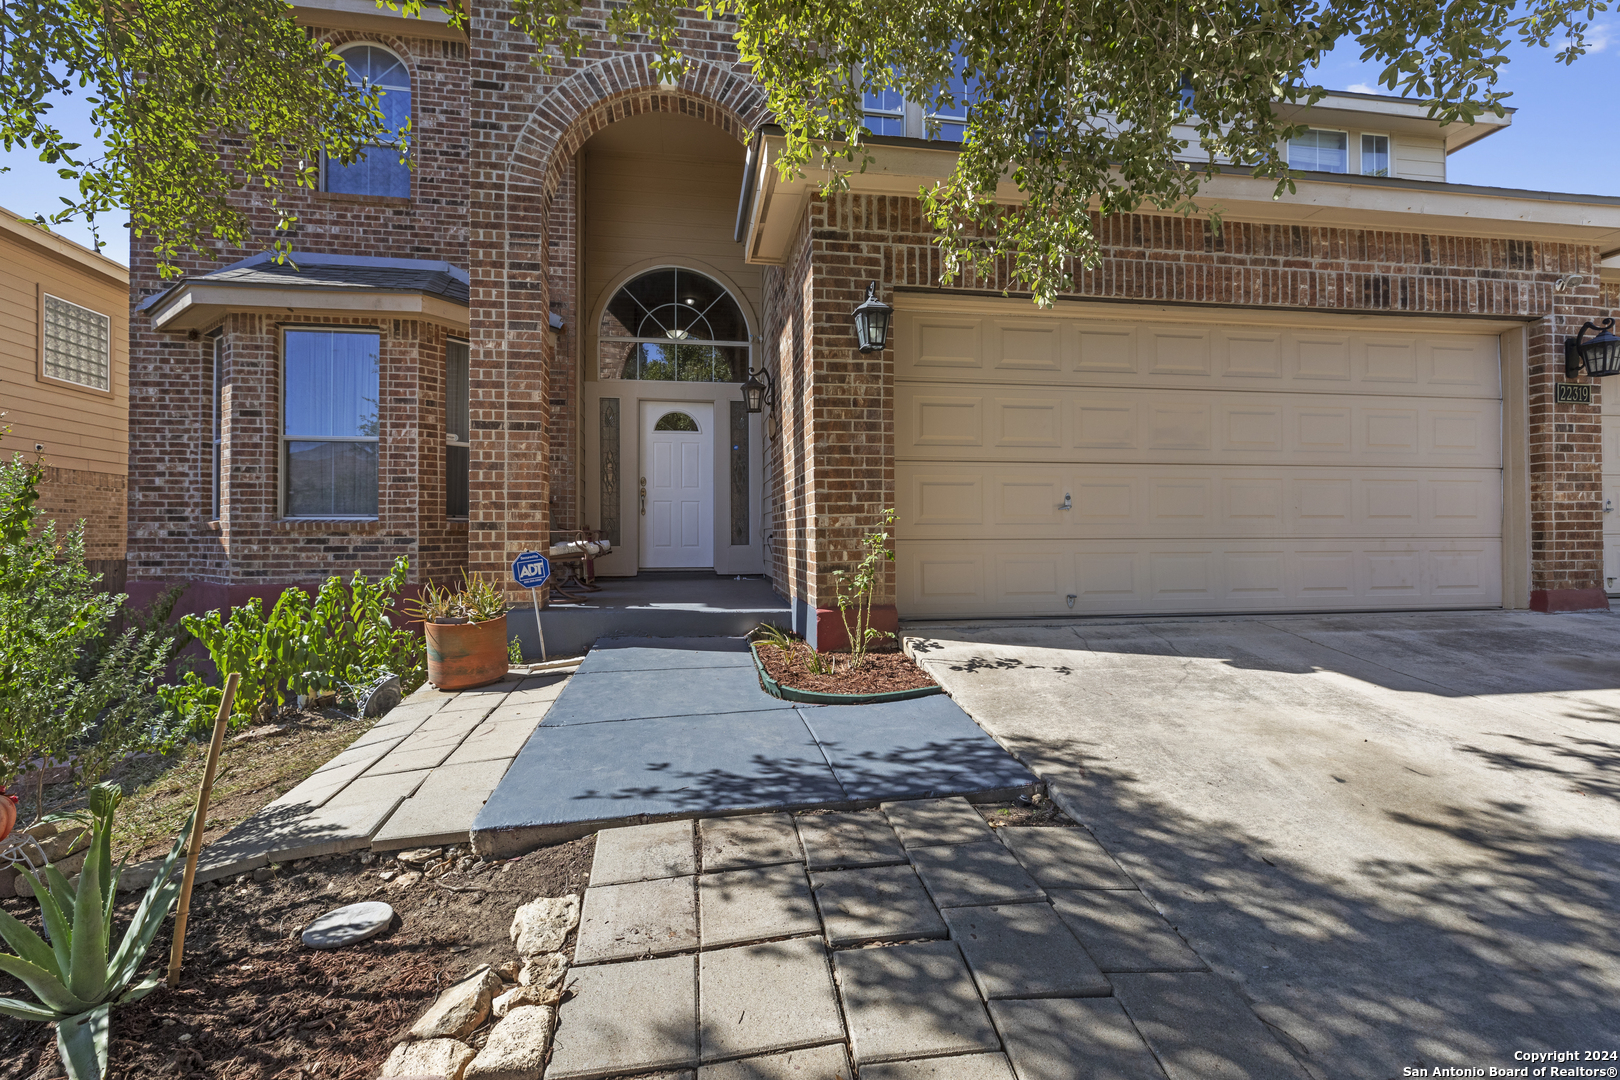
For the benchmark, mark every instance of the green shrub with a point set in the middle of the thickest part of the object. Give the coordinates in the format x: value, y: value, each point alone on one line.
x: 71, y: 686
x: 339, y: 641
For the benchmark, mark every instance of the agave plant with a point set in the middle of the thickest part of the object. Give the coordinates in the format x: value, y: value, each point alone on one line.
x: 78, y: 976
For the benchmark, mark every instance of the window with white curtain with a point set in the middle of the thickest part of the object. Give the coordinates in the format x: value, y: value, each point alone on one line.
x: 1375, y: 155
x: 457, y: 428
x: 379, y: 171
x: 1320, y: 151
x: 329, y: 423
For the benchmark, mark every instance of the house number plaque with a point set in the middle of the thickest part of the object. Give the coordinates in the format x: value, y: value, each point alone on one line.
x: 1570, y: 393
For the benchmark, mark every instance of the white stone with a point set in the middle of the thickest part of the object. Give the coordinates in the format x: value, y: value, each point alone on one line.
x: 347, y: 925
x: 542, y: 925
x: 524, y: 995
x: 516, y: 1049
x: 459, y: 1009
x: 446, y: 1058
x: 544, y: 970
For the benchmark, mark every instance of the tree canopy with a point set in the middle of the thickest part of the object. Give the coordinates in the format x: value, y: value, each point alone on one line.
x: 1077, y: 102
x: 192, y: 103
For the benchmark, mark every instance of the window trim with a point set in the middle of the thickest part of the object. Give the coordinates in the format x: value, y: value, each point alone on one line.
x: 282, y: 438
x: 596, y: 338
x: 450, y: 439
x: 1389, y: 141
x: 1348, y: 142
x: 216, y: 408
x: 39, y: 368
x: 410, y: 174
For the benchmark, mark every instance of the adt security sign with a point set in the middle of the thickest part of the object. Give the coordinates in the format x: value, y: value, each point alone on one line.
x: 531, y: 569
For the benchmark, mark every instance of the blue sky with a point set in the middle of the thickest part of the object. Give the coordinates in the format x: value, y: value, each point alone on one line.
x: 1560, y: 139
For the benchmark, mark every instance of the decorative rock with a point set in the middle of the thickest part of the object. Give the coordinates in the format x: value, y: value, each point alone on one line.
x: 459, y: 1009
x: 418, y: 856
x: 263, y: 874
x: 432, y: 1057
x: 516, y: 1049
x: 347, y: 925
x: 509, y: 970
x: 406, y: 880
x: 544, y: 970
x: 541, y: 926
x: 519, y: 996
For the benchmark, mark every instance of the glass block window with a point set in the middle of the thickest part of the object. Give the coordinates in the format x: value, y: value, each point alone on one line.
x: 330, y: 424
x: 1320, y: 151
x: 380, y: 171
x: 78, y: 344
x: 673, y: 325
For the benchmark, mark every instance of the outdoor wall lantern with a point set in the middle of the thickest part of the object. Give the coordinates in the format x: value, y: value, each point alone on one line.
x: 759, y: 393
x: 872, y: 321
x: 1599, y: 355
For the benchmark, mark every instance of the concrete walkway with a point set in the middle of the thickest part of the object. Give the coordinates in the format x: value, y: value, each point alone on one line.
x: 914, y: 942
x: 656, y: 728
x: 1398, y: 835
x: 418, y: 777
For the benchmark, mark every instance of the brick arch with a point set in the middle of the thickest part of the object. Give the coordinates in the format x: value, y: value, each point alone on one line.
x: 593, y: 97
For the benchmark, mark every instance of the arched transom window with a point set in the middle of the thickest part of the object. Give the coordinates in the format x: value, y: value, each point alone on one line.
x: 674, y: 325
x: 380, y: 171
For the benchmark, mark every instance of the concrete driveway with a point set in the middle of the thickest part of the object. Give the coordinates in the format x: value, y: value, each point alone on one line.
x: 1397, y: 834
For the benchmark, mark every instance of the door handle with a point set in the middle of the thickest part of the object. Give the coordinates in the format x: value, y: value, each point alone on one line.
x: 643, y: 496
x: 1608, y: 506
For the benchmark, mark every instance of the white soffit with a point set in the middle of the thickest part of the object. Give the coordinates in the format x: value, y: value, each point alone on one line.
x: 777, y: 207
x: 201, y: 305
x: 365, y: 15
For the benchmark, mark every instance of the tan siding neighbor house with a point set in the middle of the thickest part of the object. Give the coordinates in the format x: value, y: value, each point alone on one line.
x: 64, y: 380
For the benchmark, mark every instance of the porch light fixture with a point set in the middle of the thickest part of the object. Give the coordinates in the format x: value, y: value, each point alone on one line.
x: 759, y: 393
x: 872, y: 321
x: 1599, y: 355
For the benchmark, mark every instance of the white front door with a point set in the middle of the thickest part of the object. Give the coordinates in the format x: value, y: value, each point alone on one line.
x: 677, y: 484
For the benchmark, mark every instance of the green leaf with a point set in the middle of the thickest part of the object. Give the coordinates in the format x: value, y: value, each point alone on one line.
x: 47, y: 987
x: 56, y: 924
x: 82, y: 1042
x: 88, y: 975
x: 142, y: 988
x: 22, y: 1010
x: 29, y: 945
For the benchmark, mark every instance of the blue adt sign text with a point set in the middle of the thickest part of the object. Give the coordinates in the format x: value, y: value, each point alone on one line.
x: 531, y: 569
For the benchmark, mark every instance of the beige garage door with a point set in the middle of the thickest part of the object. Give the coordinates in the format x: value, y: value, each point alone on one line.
x: 1065, y: 463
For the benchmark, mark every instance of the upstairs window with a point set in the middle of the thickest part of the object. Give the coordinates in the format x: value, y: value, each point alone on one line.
x: 457, y: 429
x: 77, y: 344
x: 1320, y: 151
x: 330, y: 425
x: 673, y: 325
x: 379, y: 171
x: 888, y: 113
x: 1375, y: 155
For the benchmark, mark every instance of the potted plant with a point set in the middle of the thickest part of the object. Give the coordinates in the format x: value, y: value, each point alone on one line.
x: 466, y: 632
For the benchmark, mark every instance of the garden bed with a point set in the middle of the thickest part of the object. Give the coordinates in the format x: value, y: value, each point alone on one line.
x: 256, y: 1004
x: 790, y: 672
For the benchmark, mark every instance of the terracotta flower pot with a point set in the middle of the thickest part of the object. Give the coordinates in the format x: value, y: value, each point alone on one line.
x: 461, y: 656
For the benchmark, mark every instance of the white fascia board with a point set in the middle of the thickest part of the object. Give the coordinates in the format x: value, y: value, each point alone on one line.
x: 366, y: 16
x: 195, y: 307
x: 1358, y: 202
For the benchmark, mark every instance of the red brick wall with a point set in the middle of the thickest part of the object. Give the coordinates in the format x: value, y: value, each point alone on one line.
x: 100, y: 500
x: 847, y: 400
x: 170, y: 536
x: 527, y: 127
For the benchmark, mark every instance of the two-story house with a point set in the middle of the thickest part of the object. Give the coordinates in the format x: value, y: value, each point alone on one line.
x: 1341, y: 400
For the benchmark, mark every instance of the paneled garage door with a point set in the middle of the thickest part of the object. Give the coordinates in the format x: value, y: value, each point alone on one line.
x: 1055, y: 464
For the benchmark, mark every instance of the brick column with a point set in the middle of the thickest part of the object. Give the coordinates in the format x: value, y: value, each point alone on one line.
x: 1566, y: 465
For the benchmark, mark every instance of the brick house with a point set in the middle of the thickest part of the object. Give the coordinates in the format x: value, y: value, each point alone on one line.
x: 1342, y: 400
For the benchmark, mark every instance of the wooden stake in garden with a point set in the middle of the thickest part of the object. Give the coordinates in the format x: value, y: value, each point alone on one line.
x: 195, y: 849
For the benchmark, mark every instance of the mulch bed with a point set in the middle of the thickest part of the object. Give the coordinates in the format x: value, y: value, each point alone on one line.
x: 879, y: 673
x: 255, y: 1004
